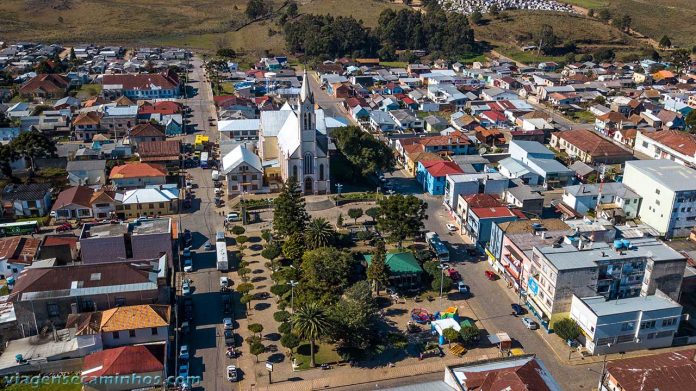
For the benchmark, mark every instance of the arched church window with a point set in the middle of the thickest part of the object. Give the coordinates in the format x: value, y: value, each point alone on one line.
x: 308, y: 164
x: 321, y: 172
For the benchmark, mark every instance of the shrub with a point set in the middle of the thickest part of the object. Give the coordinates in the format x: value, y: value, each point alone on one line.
x: 469, y: 334
x: 238, y: 230
x: 364, y: 235
x: 290, y: 341
x: 255, y: 328
x: 567, y: 329
x: 285, y: 328
x: 281, y: 316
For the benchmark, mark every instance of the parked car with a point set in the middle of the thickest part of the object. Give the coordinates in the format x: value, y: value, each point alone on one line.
x: 185, y: 289
x: 187, y: 252
x: 188, y: 265
x: 226, y: 304
x: 530, y: 324
x: 185, y: 327
x: 462, y: 287
x: 208, y: 246
x: 184, y: 370
x: 64, y: 227
x: 188, y: 309
x: 453, y: 274
x: 184, y: 353
x: 229, y: 337
x: 227, y: 322
x: 231, y: 373
x: 490, y: 275
x: 225, y: 283
x: 232, y: 217
x: 517, y: 309
x: 451, y: 227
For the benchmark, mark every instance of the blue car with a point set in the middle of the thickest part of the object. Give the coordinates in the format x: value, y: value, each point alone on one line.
x: 517, y: 309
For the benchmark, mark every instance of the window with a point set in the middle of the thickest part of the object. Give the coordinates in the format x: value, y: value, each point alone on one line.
x: 153, y: 330
x: 253, y: 177
x: 161, y: 204
x: 131, y: 333
x: 53, y: 310
x: 650, y: 324
x: 115, y: 335
x: 151, y: 206
x: 308, y: 164
x: 120, y: 301
x: 628, y: 326
x: 233, y: 178
x: 294, y: 172
x: 624, y: 338
x: 321, y: 172
x: 669, y: 322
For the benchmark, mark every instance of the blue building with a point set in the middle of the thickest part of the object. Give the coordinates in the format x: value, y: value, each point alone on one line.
x: 432, y: 175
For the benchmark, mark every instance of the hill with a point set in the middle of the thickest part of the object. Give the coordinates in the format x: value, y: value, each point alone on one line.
x: 201, y: 24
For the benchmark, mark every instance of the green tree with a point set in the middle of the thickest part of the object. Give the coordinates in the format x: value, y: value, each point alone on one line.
x: 289, y: 215
x: 680, y: 59
x: 355, y: 214
x: 442, y: 282
x: 226, y: 53
x: 604, y: 15
x: 373, y: 213
x: 280, y: 289
x: 365, y: 153
x: 271, y: 251
x: 246, y: 300
x: 378, y: 271
x: 290, y: 341
x: 256, y: 8
x: 469, y: 334
x: 281, y: 316
x: 32, y: 145
x: 566, y: 329
x: 7, y: 156
x: 285, y: 328
x: 311, y: 323
x: 476, y: 17
x: 245, y: 287
x: 339, y: 220
x: 256, y: 328
x: 451, y: 335
x: 267, y: 235
x: 294, y: 247
x: 256, y: 348
x: 241, y: 239
x: 238, y: 230
x: 73, y: 57
x: 691, y: 121
x: 546, y: 39
x: 319, y: 233
x: 291, y: 9
x: 244, y: 273
x: 624, y: 23
x: 665, y: 42
x: 401, y: 216
x: 494, y: 9
x: 325, y: 274
x: 354, y: 317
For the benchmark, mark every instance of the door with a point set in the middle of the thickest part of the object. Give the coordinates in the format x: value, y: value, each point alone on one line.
x: 308, y: 188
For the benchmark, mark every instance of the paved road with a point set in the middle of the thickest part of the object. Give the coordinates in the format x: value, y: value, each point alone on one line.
x: 490, y: 301
x: 332, y: 106
x: 203, y: 219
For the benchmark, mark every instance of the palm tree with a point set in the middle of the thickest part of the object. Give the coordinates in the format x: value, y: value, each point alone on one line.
x: 310, y: 322
x: 319, y: 233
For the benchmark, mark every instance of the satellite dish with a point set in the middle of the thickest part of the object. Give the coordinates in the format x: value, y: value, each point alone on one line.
x: 482, y: 150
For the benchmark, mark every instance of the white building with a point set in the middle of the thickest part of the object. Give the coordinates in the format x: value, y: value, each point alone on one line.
x: 466, y: 184
x: 668, y: 190
x: 585, y: 197
x: 668, y: 144
x: 626, y: 324
x: 243, y: 171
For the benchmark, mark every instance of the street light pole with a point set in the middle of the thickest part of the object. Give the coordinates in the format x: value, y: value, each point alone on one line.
x: 442, y: 278
x: 292, y: 295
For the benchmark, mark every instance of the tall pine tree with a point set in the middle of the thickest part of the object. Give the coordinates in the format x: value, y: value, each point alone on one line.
x: 289, y: 215
x: 378, y: 271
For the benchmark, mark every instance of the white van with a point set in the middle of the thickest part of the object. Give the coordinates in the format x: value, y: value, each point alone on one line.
x: 216, y: 175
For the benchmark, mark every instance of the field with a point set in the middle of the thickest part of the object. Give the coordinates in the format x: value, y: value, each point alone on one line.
x: 203, y: 24
x: 655, y: 18
x: 587, y: 3
x: 508, y: 34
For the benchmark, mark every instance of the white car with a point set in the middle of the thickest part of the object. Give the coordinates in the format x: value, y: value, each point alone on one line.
x: 231, y: 373
x: 184, y: 352
x: 188, y: 265
x: 186, y: 289
x: 530, y: 324
x: 232, y: 217
x: 224, y: 282
x: 227, y: 322
x: 451, y: 227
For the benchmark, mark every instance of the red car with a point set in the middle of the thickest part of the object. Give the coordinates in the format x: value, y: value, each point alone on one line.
x: 454, y: 275
x: 490, y: 275
x: 64, y: 227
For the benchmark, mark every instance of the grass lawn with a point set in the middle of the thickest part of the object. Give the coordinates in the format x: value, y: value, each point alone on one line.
x: 473, y: 58
x: 323, y: 354
x: 393, y: 64
x: 527, y: 57
x: 659, y: 17
x: 366, y: 10
x: 47, y: 387
x: 89, y: 90
x: 584, y: 117
x: 227, y: 88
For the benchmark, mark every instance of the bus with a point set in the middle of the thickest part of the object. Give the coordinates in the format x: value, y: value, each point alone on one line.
x: 19, y: 228
x: 204, y: 160
x: 221, y: 250
x: 436, y: 245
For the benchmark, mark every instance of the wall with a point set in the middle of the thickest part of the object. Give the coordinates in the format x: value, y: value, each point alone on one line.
x: 666, y: 276
x: 141, y: 336
x: 656, y: 216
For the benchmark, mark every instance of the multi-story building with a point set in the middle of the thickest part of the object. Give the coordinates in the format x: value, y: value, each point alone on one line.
x: 143, y: 86
x: 674, y: 145
x: 611, y: 326
x: 668, y: 190
x: 466, y: 184
x: 535, y: 164
x: 243, y: 171
x: 579, y: 267
x: 480, y: 221
x: 589, y: 147
x: 593, y: 196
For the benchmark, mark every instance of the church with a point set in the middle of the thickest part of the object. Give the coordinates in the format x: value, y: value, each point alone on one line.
x: 294, y: 143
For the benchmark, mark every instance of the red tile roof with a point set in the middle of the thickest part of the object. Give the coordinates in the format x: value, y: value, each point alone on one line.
x: 164, y: 108
x: 88, y: 118
x: 135, y: 170
x: 494, y: 115
x: 441, y: 168
x: 152, y: 151
x: 592, y: 143
x: 19, y: 250
x: 681, y: 142
x: 673, y: 371
x: 486, y: 213
x: 51, y: 83
x: 145, y: 81
x: 77, y: 195
x: 481, y: 201
x: 147, y: 130
x: 124, y: 360
x: 526, y: 377
x: 60, y: 240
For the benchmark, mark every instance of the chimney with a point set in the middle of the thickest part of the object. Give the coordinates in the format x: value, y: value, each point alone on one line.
x: 543, y: 234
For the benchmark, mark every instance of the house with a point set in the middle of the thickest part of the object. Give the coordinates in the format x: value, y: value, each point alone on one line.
x: 154, y: 201
x: 563, y: 270
x: 435, y: 124
x: 607, y: 124
x: 46, y: 296
x: 382, y: 122
x: 143, y: 86
x: 405, y: 271
x: 73, y: 203
x: 51, y: 86
x: 593, y: 196
x: 16, y: 253
x: 174, y: 126
x: 123, y: 325
x: 87, y: 125
x: 589, y: 147
x: 509, y: 249
x: 240, y: 129
x: 490, y: 136
x: 674, y: 145
x: 667, y: 190
x: 360, y: 114
x: 132, y: 175
x: 457, y: 185
x: 669, y: 371
x: 480, y: 220
x: 243, y: 171
x: 105, y: 203
x: 624, y: 325
x: 161, y: 152
x: 513, y: 373
x: 118, y: 119
x: 406, y: 120
x: 431, y: 175
x: 86, y: 172
x: 144, y: 241
x: 137, y: 362
x: 68, y: 102
x: 61, y: 247
x: 411, y: 159
x: 527, y: 199
x: 582, y: 171
x: 535, y: 164
x: 145, y: 132
x: 26, y: 200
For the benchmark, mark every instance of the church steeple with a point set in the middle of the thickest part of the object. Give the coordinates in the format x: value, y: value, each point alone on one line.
x: 306, y: 92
